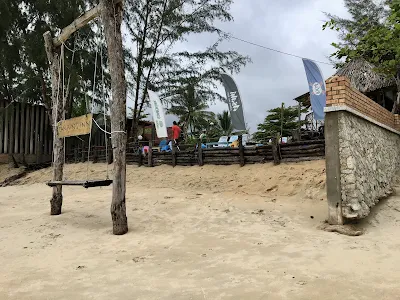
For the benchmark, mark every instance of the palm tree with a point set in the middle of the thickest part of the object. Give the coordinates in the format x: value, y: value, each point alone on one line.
x: 190, y: 109
x: 225, y: 122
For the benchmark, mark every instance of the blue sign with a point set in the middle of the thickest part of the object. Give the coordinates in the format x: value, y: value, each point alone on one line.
x: 317, y: 88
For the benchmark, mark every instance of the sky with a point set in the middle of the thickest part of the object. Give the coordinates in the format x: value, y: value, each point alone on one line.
x: 293, y: 26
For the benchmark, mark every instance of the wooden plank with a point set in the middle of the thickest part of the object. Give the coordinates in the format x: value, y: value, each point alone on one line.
x: 275, y: 152
x: 150, y: 156
x: 2, y: 118
x: 303, y: 143
x: 17, y: 128
x: 32, y: 131
x: 41, y: 130
x: 46, y: 133
x: 6, y: 126
x: 37, y: 120
x: 22, y: 130
x: 27, y: 128
x: 76, y: 126
x: 173, y: 153
x: 200, y: 154
x: 241, y: 151
x: 78, y: 23
x: 11, y: 128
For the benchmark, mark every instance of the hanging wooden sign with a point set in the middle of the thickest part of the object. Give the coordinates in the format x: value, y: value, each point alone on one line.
x: 76, y: 126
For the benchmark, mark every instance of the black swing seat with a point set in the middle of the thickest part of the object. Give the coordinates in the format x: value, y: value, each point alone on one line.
x: 85, y: 183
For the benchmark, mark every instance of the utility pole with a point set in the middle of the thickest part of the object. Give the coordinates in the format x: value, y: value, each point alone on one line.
x: 111, y: 15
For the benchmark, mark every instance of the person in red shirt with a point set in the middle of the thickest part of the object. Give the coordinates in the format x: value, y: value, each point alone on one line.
x: 176, y: 132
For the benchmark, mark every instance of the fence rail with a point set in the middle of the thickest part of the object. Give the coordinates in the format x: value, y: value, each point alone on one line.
x: 190, y: 156
x: 26, y: 134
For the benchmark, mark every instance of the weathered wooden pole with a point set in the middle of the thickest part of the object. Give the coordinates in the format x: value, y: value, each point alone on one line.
x: 57, y: 114
x: 151, y: 144
x: 282, y: 117
x: 241, y: 151
x: 275, y: 151
x: 200, y: 153
x: 111, y: 15
x: 173, y: 153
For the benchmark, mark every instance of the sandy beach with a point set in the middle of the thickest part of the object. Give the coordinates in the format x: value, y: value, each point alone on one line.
x: 214, y: 232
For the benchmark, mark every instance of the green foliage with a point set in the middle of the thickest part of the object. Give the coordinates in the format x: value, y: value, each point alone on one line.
x: 271, y: 126
x: 225, y: 123
x: 378, y: 44
x: 24, y: 74
x: 365, y: 15
x: 191, y: 110
x: 155, y: 27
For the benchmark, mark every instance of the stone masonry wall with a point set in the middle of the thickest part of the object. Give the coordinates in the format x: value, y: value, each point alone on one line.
x: 363, y: 151
x: 369, y: 159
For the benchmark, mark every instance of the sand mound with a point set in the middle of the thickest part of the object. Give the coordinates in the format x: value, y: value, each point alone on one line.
x: 305, y: 179
x: 6, y: 172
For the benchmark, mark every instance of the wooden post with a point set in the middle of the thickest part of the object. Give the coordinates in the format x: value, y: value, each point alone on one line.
x: 17, y: 126
x: 37, y: 141
x: 2, y: 117
x: 110, y: 158
x: 31, y: 131
x: 12, y: 129
x: 46, y: 135
x: 140, y: 160
x: 241, y: 151
x: 111, y: 15
x: 83, y: 154
x: 6, y: 125
x: 151, y: 144
x: 200, y: 153
x: 299, y: 130
x: 22, y: 133
x: 76, y: 155
x: 95, y: 155
x: 275, y: 151
x: 282, y: 108
x: 41, y: 132
x: 173, y: 153
x: 57, y: 113
x: 27, y: 126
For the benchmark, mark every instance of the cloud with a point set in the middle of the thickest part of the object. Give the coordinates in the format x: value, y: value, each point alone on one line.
x: 293, y: 26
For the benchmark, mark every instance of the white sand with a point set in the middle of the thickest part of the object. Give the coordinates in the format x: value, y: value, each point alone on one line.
x: 195, y: 233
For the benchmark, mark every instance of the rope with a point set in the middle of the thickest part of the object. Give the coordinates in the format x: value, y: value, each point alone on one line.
x: 104, y: 108
x: 63, y: 93
x: 109, y: 133
x: 92, y: 109
x: 66, y: 91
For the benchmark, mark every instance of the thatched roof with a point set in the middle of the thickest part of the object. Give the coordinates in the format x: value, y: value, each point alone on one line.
x: 363, y: 76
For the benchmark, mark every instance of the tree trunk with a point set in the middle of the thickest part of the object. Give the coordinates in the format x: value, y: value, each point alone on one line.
x: 112, y: 17
x: 57, y: 114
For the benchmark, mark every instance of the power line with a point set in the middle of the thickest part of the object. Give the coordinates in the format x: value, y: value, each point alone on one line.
x: 274, y: 50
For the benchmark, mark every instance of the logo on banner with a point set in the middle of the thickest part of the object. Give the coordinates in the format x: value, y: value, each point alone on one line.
x: 235, y: 104
x: 317, y: 89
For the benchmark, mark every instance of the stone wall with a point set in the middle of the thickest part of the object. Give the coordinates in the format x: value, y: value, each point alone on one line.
x: 362, y: 151
x: 369, y: 160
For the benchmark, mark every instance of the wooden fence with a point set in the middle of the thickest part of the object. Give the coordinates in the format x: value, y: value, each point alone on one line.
x: 25, y: 132
x: 297, y: 151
